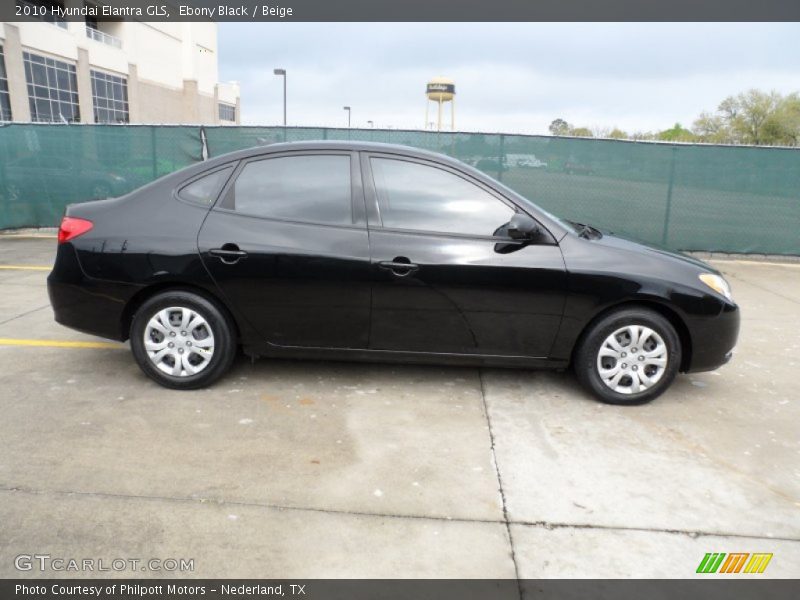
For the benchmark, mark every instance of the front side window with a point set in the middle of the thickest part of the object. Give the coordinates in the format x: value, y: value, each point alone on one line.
x: 52, y: 89
x: 204, y: 190
x: 425, y: 198
x: 109, y: 97
x: 5, y: 100
x: 298, y: 188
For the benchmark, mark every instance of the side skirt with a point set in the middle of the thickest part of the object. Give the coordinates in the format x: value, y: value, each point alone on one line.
x: 392, y: 356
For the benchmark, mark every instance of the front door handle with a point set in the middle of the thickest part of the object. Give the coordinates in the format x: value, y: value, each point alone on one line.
x: 229, y: 253
x: 399, y: 267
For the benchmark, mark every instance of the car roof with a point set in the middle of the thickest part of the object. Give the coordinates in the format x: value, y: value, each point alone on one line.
x: 350, y: 146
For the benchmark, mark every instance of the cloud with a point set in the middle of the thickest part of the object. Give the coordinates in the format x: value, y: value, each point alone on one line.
x: 509, y: 77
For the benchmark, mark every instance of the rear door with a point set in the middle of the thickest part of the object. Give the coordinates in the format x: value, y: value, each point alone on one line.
x: 287, y: 245
x: 446, y: 279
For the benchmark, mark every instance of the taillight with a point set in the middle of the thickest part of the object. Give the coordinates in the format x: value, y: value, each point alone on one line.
x: 72, y: 227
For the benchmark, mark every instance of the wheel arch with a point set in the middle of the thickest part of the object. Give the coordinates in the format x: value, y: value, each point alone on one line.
x: 665, y: 311
x: 145, y: 294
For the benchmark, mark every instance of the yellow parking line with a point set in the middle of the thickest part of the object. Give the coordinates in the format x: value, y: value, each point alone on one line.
x: 24, y: 268
x: 59, y: 344
x: 28, y: 237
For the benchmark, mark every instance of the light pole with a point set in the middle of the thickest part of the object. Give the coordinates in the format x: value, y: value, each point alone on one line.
x: 282, y: 72
x: 347, y: 108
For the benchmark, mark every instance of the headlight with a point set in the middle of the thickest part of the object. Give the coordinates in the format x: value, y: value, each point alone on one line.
x: 716, y: 283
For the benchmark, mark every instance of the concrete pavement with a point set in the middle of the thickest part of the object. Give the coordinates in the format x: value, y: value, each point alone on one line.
x: 309, y: 469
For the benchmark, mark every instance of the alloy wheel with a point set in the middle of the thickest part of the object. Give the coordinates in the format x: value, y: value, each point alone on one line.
x: 632, y: 359
x: 179, y: 341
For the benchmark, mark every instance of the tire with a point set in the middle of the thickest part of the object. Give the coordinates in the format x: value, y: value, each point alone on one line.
x: 186, y: 365
x: 646, y: 372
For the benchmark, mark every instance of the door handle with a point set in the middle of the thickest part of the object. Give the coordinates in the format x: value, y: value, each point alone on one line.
x: 229, y: 253
x: 400, y: 266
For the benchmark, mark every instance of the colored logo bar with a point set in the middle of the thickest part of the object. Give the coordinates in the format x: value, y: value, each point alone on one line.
x: 734, y: 562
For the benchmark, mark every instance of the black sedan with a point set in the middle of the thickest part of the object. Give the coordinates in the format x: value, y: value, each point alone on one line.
x: 383, y: 253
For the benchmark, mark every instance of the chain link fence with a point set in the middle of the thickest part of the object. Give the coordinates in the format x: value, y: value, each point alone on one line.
x: 687, y: 197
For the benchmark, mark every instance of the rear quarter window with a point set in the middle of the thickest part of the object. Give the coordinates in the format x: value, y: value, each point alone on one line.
x: 204, y: 190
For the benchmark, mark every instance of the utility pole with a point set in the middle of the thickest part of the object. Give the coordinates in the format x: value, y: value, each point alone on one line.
x: 282, y: 73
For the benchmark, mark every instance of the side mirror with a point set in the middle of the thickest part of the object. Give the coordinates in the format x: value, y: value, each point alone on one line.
x: 522, y: 227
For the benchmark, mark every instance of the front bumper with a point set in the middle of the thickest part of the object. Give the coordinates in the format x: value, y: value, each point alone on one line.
x: 713, y: 339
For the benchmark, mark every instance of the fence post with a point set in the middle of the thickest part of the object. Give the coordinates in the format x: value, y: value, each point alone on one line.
x: 5, y: 209
x: 501, y: 153
x: 665, y: 233
x: 153, y: 151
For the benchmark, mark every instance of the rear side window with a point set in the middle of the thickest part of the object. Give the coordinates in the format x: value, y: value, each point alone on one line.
x: 425, y: 198
x: 204, y: 190
x: 298, y: 188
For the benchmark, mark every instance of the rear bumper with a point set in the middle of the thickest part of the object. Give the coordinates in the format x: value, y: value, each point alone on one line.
x: 85, y: 304
x: 713, y: 339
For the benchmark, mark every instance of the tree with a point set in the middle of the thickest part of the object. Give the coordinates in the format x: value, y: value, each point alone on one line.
x: 642, y: 136
x: 747, y: 114
x: 559, y: 127
x: 712, y: 129
x: 782, y: 127
x: 676, y: 134
x: 580, y: 131
x: 752, y: 117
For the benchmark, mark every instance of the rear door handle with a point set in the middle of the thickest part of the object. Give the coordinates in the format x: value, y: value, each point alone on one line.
x: 229, y: 253
x: 400, y: 266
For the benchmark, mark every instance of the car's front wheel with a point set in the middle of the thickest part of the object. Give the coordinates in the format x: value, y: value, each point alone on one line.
x: 630, y: 356
x: 182, y: 340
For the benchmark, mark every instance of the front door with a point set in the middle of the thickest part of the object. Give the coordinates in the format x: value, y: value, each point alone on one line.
x: 446, y: 280
x: 287, y: 245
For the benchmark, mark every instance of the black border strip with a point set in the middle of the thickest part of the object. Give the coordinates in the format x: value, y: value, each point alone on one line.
x: 440, y: 10
x: 712, y: 587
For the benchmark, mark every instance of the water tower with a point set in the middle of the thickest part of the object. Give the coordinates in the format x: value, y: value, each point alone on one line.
x: 441, y: 90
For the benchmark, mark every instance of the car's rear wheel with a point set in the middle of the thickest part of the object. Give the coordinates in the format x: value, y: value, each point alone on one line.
x: 182, y: 340
x: 630, y: 356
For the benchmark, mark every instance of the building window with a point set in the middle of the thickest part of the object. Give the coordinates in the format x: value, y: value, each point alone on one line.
x: 44, y: 10
x: 227, y: 112
x: 52, y: 89
x: 110, y: 98
x: 5, y: 100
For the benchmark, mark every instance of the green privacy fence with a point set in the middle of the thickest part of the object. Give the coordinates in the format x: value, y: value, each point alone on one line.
x: 687, y: 197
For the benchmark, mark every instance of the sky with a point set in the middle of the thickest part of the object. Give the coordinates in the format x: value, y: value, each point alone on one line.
x: 509, y: 77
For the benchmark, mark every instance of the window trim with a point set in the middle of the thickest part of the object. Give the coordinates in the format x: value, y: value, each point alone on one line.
x: 357, y: 201
x: 5, y: 92
x: 186, y: 183
x: 374, y: 213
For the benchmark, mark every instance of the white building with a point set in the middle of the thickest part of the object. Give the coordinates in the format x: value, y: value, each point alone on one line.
x: 112, y: 72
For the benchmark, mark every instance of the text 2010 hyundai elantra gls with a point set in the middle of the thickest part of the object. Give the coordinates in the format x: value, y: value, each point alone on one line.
x: 378, y: 252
